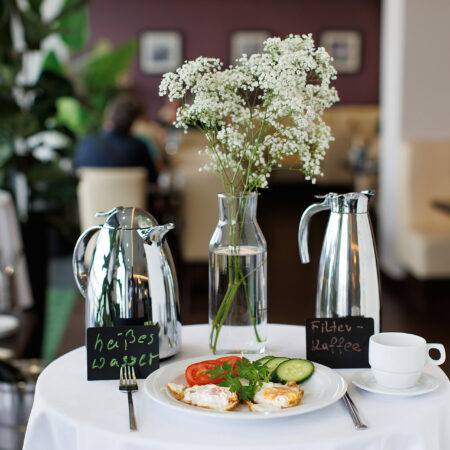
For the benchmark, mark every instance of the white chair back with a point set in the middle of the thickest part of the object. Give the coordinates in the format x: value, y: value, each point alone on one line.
x: 426, y: 166
x: 199, y: 209
x: 102, y: 189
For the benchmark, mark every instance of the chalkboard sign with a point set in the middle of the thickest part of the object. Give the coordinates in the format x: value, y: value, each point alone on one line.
x: 109, y: 348
x: 339, y: 342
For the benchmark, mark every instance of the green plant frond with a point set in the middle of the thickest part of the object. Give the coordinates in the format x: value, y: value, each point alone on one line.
x: 52, y: 64
x: 71, y: 6
x: 73, y: 24
x: 70, y: 114
x: 79, y: 118
x: 103, y: 70
x: 35, y: 5
x: 8, y: 74
x: 5, y: 26
x: 101, y: 47
x: 15, y: 122
x: 8, y: 108
x: 6, y: 152
x: 34, y: 28
x: 48, y: 89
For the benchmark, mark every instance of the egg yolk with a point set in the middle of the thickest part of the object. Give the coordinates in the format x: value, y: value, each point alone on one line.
x: 271, y: 394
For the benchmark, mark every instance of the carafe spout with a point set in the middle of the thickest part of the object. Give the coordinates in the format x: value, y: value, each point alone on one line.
x: 156, y: 233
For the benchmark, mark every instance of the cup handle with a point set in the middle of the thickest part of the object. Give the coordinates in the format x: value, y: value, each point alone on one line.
x: 436, y: 362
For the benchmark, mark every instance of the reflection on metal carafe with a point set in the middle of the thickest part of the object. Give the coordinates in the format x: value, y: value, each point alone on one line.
x: 348, y: 278
x: 131, y: 278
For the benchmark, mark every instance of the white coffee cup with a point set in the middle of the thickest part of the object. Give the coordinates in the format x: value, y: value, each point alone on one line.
x: 397, y: 359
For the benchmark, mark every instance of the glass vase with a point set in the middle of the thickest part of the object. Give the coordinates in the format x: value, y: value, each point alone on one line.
x: 237, y: 278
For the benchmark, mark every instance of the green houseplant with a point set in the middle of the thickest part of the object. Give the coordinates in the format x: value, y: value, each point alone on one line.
x: 49, y: 99
x: 48, y: 102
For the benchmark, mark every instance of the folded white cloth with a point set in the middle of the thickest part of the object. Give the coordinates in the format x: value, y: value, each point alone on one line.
x: 12, y: 254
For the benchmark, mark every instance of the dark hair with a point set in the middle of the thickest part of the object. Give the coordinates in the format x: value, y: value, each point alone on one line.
x: 122, y: 111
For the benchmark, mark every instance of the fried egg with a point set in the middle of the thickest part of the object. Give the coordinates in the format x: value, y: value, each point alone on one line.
x: 208, y: 396
x: 275, y: 396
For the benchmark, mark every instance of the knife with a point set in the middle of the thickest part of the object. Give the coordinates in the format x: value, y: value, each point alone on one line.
x: 354, y: 413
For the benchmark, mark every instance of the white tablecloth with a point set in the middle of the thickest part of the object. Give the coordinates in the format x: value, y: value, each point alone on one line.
x: 72, y: 413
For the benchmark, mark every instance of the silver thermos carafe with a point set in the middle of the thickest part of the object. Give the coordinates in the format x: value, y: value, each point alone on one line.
x: 348, y: 278
x: 129, y: 277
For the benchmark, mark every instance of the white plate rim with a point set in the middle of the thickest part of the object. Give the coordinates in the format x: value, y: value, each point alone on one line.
x: 158, y: 392
x: 8, y: 325
x: 357, y: 380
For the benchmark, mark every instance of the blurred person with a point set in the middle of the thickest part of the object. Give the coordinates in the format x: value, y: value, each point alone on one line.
x: 154, y: 137
x: 114, y: 145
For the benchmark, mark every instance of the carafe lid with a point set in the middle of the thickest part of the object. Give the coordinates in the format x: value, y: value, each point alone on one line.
x: 350, y: 203
x: 128, y: 218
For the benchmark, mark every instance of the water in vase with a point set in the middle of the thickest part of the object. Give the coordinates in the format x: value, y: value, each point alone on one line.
x: 238, y: 299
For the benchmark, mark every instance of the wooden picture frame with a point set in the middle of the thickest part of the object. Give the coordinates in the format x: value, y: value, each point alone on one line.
x: 160, y: 51
x: 345, y: 46
x: 248, y: 42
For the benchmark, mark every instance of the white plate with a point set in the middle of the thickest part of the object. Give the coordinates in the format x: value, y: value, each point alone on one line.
x: 365, y: 380
x: 323, y: 388
x: 8, y: 325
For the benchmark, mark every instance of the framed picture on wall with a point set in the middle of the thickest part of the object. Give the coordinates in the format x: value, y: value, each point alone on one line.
x: 248, y: 42
x: 160, y: 51
x: 345, y: 46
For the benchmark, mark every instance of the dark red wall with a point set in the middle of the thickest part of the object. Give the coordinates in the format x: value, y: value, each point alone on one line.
x: 206, y: 26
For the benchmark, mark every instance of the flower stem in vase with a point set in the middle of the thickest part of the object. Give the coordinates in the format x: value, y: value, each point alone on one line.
x: 238, y: 291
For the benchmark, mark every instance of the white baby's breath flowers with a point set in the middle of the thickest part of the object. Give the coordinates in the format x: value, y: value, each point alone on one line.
x: 258, y: 112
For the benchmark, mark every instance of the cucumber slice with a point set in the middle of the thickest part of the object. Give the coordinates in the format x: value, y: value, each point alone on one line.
x: 264, y: 359
x: 273, y: 363
x: 293, y: 370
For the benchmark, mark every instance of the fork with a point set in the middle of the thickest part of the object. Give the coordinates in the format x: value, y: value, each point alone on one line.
x: 128, y: 384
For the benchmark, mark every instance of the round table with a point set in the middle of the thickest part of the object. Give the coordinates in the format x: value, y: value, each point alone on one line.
x: 72, y: 413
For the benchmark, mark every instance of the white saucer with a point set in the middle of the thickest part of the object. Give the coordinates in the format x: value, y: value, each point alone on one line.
x: 364, y: 379
x: 8, y: 325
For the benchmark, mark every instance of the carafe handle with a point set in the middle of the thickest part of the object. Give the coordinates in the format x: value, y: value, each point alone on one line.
x: 78, y: 265
x: 304, y: 226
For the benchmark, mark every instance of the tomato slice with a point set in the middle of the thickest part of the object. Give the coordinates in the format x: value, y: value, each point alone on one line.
x: 195, y: 373
x: 229, y: 359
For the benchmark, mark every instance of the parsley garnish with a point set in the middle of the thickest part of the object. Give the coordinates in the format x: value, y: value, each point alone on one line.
x: 250, y: 376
